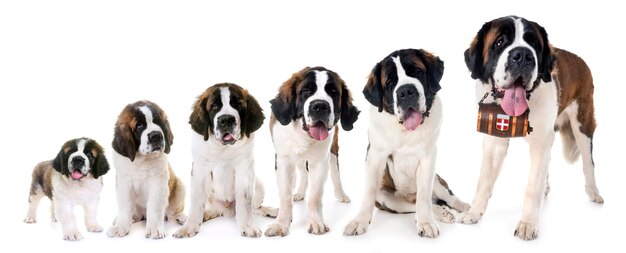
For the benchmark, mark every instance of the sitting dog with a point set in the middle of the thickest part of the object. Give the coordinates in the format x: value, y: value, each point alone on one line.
x: 405, y: 118
x: 73, y: 178
x: 308, y: 106
x: 512, y: 56
x: 224, y: 119
x: 146, y: 186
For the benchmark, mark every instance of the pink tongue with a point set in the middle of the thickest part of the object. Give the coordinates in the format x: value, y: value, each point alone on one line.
x: 318, y: 132
x: 412, y: 121
x: 228, y: 137
x: 76, y: 174
x: 514, y: 101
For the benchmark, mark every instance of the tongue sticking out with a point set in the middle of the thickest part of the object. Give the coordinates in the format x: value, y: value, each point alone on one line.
x: 412, y: 120
x: 76, y: 175
x: 514, y: 101
x: 318, y: 132
x: 228, y: 137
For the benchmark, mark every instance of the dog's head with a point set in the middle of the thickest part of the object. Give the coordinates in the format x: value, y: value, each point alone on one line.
x: 513, y: 54
x: 80, y: 157
x: 226, y: 112
x: 404, y: 84
x: 319, y: 98
x: 142, y: 128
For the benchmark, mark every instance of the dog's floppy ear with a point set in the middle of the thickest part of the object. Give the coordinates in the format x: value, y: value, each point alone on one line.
x: 101, y: 165
x: 474, y: 54
x: 199, y: 119
x: 373, y: 90
x: 60, y: 162
x: 349, y: 112
x: 253, y: 118
x: 124, y: 142
x: 284, y: 104
x: 547, y: 59
x: 435, y: 71
x: 167, y: 132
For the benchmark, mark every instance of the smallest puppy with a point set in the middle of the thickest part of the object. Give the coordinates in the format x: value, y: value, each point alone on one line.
x: 74, y: 177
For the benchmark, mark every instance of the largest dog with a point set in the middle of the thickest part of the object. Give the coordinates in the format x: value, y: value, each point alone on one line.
x: 307, y: 108
x: 405, y: 118
x: 512, y: 55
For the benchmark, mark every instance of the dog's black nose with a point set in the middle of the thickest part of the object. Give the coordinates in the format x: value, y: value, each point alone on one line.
x: 226, y: 120
x: 521, y: 56
x: 319, y: 106
x: 155, y: 137
x: 78, y: 162
x: 407, y: 93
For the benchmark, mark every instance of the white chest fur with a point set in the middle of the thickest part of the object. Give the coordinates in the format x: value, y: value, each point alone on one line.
x: 293, y: 142
x: 76, y: 192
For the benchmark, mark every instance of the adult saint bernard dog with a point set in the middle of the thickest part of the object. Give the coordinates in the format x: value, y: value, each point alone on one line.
x: 512, y: 56
x: 405, y: 118
x: 307, y: 109
x: 146, y: 186
x: 73, y: 177
x: 224, y: 119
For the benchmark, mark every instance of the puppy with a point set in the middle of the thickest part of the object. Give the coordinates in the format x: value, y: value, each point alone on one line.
x: 512, y: 56
x: 224, y: 120
x: 73, y: 178
x: 146, y: 186
x: 308, y: 106
x: 405, y: 118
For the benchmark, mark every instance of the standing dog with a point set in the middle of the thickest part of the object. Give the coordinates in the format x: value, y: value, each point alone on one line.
x: 512, y: 55
x: 308, y: 106
x: 405, y: 118
x: 224, y: 119
x: 73, y: 178
x: 146, y: 186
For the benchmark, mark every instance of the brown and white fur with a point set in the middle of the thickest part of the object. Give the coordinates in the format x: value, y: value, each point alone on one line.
x: 562, y: 101
x: 307, y: 108
x: 224, y: 119
x: 73, y: 178
x: 146, y: 185
x: 405, y: 119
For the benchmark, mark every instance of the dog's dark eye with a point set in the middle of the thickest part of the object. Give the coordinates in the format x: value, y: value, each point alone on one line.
x: 305, y: 91
x: 89, y: 155
x: 388, y: 82
x: 332, y: 91
x: 139, y: 125
x: 215, y: 106
x: 501, y: 40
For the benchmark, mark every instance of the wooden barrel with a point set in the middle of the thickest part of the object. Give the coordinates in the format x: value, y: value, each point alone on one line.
x: 492, y: 120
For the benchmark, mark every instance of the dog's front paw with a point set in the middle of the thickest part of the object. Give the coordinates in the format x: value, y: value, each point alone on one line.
x: 250, y: 231
x: 30, y: 220
x: 317, y: 227
x: 526, y: 231
x: 427, y: 229
x: 277, y: 229
x: 266, y: 211
x: 470, y: 217
x: 180, y: 218
x: 94, y: 228
x: 118, y: 231
x: 443, y: 214
x: 72, y: 235
x: 594, y: 196
x: 156, y: 232
x: 186, y: 231
x: 356, y: 227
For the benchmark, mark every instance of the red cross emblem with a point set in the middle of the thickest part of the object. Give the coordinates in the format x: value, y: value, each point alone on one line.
x: 502, y: 122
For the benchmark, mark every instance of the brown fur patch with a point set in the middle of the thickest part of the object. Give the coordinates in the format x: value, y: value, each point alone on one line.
x: 334, y: 148
x: 173, y: 186
x: 42, y: 179
x: 489, y: 39
x: 272, y: 122
x: 575, y: 84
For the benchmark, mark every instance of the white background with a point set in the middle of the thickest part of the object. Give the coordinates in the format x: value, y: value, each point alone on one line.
x: 67, y: 68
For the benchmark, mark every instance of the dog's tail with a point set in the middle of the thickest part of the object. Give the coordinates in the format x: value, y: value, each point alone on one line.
x: 570, y: 148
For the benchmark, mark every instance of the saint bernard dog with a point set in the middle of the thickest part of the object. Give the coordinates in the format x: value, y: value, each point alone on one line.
x: 511, y: 56
x: 146, y: 186
x: 223, y: 120
x: 307, y: 108
x: 405, y: 119
x: 73, y: 178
